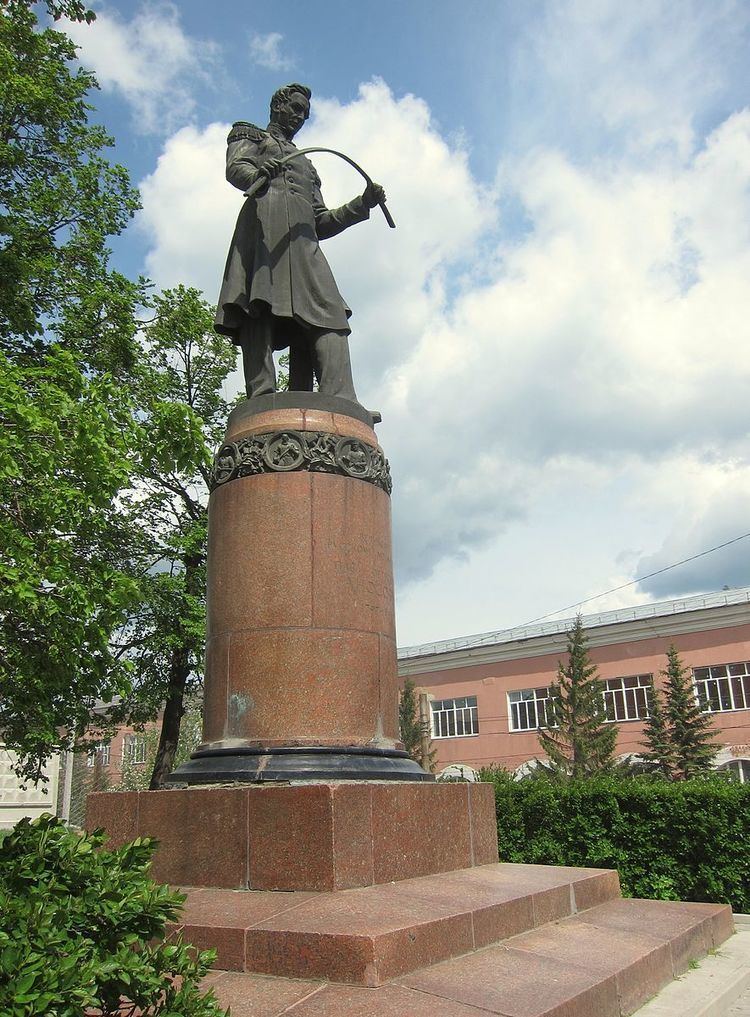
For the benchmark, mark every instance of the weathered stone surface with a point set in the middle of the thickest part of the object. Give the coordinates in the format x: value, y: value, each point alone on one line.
x: 305, y: 837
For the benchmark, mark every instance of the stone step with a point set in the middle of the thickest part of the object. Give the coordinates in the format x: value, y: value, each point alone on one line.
x: 604, y: 962
x: 370, y: 935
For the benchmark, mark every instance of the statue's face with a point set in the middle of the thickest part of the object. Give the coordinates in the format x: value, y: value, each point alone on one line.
x: 291, y: 114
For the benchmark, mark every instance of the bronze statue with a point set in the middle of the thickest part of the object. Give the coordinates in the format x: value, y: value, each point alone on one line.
x: 278, y: 289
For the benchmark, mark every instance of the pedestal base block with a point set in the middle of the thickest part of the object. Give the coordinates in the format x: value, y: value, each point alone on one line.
x: 304, y: 836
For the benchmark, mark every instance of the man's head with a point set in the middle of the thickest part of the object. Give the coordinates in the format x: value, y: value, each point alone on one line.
x: 290, y: 107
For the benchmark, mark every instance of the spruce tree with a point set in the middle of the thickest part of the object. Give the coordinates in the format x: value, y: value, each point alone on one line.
x: 690, y: 729
x: 578, y: 742
x: 679, y: 740
x: 412, y: 729
x: 659, y: 755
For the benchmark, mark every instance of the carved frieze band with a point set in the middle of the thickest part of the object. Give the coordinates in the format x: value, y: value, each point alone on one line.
x: 286, y: 451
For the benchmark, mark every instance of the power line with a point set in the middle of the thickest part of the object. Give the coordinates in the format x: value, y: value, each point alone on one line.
x: 632, y: 582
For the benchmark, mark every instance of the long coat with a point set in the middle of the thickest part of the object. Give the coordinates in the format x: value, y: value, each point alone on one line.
x: 275, y: 260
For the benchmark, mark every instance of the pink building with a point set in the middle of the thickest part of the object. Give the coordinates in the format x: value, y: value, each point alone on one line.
x: 488, y: 692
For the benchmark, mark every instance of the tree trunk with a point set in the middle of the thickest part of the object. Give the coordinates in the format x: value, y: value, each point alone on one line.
x: 174, y: 707
x: 171, y: 719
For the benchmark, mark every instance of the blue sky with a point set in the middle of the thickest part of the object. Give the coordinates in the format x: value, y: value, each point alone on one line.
x: 558, y: 332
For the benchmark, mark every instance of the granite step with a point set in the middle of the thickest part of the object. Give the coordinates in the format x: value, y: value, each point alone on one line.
x: 604, y: 962
x: 370, y: 935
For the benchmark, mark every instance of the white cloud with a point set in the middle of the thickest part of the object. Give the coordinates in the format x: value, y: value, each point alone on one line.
x: 601, y: 74
x: 579, y: 365
x: 265, y: 50
x: 189, y: 210
x: 150, y: 60
x: 714, y: 510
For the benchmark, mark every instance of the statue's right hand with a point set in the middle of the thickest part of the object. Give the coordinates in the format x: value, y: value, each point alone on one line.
x: 263, y: 178
x: 271, y: 168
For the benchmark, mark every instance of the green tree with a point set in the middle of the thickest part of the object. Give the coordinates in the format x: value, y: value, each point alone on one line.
x: 179, y: 390
x: 72, y: 9
x: 138, y: 776
x: 659, y: 754
x: 577, y: 741
x: 691, y: 732
x: 60, y: 201
x: 414, y: 732
x: 64, y: 456
x: 684, y: 747
x: 67, y: 422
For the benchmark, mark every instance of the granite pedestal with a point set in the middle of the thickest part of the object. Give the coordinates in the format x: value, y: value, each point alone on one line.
x: 301, y: 679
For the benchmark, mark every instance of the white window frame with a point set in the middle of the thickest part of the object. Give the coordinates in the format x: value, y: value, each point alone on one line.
x: 447, y: 714
x: 133, y: 750
x: 523, y: 704
x: 726, y: 687
x: 626, y: 702
x: 102, y: 751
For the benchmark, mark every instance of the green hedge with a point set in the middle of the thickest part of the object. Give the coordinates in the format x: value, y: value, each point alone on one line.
x: 670, y: 841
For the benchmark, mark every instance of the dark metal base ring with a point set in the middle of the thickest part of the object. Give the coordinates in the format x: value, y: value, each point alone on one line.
x: 239, y: 765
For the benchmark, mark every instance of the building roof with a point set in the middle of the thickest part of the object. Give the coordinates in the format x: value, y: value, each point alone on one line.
x: 523, y: 633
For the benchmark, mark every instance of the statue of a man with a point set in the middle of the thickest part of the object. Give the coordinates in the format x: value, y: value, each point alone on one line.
x: 278, y: 289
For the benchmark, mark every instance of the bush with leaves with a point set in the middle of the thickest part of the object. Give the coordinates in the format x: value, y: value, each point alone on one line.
x: 684, y: 840
x: 82, y: 931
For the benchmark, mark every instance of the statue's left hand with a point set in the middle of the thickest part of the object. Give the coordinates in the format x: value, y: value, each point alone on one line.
x: 373, y: 195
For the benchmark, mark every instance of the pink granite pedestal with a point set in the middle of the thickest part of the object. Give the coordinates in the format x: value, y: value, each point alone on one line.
x: 305, y: 836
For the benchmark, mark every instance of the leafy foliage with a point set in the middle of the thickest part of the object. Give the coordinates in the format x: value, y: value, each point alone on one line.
x: 92, y: 406
x: 137, y: 776
x: 64, y: 455
x: 67, y: 426
x: 414, y: 732
x: 82, y: 930
x: 670, y: 841
x: 72, y: 9
x: 578, y: 743
x: 60, y: 200
x: 178, y: 389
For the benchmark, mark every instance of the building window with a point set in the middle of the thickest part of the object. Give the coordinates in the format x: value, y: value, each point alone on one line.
x: 627, y: 698
x: 101, y: 752
x: 739, y: 768
x: 723, y: 687
x: 455, y: 718
x: 133, y: 749
x: 528, y: 709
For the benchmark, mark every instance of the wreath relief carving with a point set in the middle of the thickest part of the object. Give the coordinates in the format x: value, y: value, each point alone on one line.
x: 287, y: 451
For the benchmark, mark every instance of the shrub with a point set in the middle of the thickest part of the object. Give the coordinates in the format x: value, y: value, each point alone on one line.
x: 82, y: 930
x: 683, y: 840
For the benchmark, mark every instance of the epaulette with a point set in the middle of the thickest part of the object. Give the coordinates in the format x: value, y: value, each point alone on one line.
x: 244, y: 131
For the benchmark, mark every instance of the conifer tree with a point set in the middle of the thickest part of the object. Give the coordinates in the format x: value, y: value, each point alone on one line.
x: 412, y: 729
x: 691, y: 732
x: 659, y: 755
x: 679, y: 739
x: 577, y: 741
